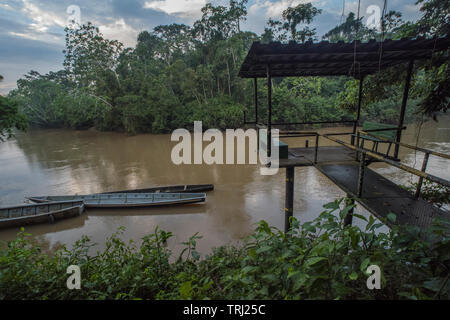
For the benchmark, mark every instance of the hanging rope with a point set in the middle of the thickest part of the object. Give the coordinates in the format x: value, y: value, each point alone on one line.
x: 343, y: 12
x: 383, y: 13
x: 354, y: 41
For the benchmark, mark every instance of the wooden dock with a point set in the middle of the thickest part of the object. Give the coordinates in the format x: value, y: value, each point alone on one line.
x: 379, y: 195
x: 341, y: 164
x: 301, y: 157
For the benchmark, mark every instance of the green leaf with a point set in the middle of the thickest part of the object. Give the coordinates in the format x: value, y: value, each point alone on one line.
x: 332, y: 205
x: 263, y: 249
x: 391, y: 217
x: 314, y: 260
x: 248, y: 269
x: 434, y: 284
x: 292, y: 273
x: 186, y: 290
x: 353, y: 276
x: 364, y: 264
x: 195, y: 255
x: 359, y: 216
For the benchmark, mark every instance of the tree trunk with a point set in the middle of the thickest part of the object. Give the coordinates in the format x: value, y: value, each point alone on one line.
x: 229, y: 79
x: 204, y: 91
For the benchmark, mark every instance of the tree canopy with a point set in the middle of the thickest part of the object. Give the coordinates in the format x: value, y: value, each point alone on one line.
x: 10, y: 117
x: 178, y: 73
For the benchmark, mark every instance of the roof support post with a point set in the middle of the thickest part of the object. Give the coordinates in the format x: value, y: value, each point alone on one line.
x: 289, y: 200
x: 358, y: 112
x: 255, y: 87
x: 269, y: 112
x: 403, y: 109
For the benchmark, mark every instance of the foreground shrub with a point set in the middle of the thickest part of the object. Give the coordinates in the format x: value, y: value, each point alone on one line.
x: 322, y: 259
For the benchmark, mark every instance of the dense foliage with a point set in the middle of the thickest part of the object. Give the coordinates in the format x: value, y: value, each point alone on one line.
x: 177, y: 74
x: 10, y: 117
x: 322, y: 259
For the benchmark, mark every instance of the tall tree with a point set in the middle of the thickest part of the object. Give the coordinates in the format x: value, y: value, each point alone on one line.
x: 435, y: 20
x: 351, y: 29
x: 89, y: 54
x: 302, y: 13
x: 175, y: 40
x: 238, y: 11
x: 215, y: 23
x: 288, y: 28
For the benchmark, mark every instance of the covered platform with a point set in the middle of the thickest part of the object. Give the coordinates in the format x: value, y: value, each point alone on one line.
x: 346, y: 164
x: 356, y: 59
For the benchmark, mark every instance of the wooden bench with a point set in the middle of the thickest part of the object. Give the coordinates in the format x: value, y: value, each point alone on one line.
x: 385, y: 135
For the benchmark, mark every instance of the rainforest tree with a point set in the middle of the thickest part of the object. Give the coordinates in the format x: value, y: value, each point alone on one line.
x: 178, y: 73
x: 10, y: 117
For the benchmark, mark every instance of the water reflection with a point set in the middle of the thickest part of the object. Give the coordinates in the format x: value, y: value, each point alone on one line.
x: 69, y: 162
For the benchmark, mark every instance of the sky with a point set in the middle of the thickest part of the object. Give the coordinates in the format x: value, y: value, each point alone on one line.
x: 32, y: 31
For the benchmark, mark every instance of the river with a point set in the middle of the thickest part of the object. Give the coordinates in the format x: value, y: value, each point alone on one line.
x: 58, y: 162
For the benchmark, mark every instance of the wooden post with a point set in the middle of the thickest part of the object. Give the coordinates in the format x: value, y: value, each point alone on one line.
x: 316, y: 148
x: 424, y: 168
x: 289, y: 205
x: 349, y: 217
x: 361, y: 174
x: 403, y: 109
x: 255, y: 98
x: 255, y: 86
x: 269, y: 113
x: 357, y: 144
x: 358, y: 112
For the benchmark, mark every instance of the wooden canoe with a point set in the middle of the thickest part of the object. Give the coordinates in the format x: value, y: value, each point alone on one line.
x: 127, y: 200
x: 188, y: 188
x: 27, y: 214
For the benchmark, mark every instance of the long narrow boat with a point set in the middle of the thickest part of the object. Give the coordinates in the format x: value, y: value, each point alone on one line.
x: 127, y: 200
x: 188, y: 188
x: 17, y: 216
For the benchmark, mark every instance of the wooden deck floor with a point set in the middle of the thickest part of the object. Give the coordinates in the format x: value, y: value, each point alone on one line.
x: 380, y: 196
x: 300, y: 157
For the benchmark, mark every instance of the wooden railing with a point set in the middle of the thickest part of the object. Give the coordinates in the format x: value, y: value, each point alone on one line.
x: 426, y: 157
x: 420, y: 173
x: 312, y: 122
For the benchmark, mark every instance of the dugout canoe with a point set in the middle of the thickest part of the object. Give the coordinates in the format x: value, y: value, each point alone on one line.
x: 188, y: 188
x: 127, y: 200
x: 28, y: 214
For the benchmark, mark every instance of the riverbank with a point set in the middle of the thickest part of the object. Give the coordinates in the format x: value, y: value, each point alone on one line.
x: 321, y: 259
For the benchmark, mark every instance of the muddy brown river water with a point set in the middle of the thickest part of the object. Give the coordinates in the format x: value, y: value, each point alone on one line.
x: 57, y: 162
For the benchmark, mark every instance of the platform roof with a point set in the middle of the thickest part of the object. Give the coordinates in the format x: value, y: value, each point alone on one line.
x: 335, y: 59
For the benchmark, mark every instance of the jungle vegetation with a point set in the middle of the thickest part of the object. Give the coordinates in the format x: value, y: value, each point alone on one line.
x: 10, y: 117
x: 321, y: 259
x: 178, y: 73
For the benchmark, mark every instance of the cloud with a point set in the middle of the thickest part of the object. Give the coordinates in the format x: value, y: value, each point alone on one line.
x: 32, y: 35
x: 20, y: 55
x: 6, y: 6
x: 25, y: 20
x: 181, y: 8
x: 43, y: 19
x: 119, y: 30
